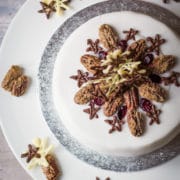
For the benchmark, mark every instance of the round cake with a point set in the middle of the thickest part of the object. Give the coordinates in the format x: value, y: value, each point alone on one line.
x: 94, y: 133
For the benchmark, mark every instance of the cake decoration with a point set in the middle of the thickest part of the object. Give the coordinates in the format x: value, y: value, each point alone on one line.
x: 15, y: 81
x: 39, y: 153
x: 51, y: 6
x: 124, y: 78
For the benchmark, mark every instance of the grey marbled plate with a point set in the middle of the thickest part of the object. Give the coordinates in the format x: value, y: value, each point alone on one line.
x: 115, y: 163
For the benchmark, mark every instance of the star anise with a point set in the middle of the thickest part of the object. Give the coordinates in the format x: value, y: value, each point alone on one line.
x: 155, y: 43
x: 115, y: 123
x: 92, y: 110
x: 131, y: 34
x: 93, y: 46
x: 108, y: 178
x: 48, y: 9
x: 167, y: 1
x: 154, y: 115
x: 81, y: 77
x: 172, y: 79
x: 32, y: 152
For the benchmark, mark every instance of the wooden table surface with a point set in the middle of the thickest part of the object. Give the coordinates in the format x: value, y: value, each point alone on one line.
x: 9, y: 167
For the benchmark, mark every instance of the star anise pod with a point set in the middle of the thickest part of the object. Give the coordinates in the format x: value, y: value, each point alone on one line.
x: 93, y: 46
x: 31, y: 153
x: 48, y: 9
x: 154, y: 115
x: 115, y: 123
x: 108, y: 178
x: 167, y: 1
x: 172, y: 79
x: 81, y: 77
x: 155, y: 43
x: 131, y: 34
x: 92, y: 110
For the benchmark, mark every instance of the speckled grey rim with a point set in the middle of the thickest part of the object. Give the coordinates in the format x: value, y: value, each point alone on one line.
x: 114, y: 163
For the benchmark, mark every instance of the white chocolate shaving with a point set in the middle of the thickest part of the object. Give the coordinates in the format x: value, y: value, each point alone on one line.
x: 44, y: 150
x: 60, y: 5
x: 128, y: 68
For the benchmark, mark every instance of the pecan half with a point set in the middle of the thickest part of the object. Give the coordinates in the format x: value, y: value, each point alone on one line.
x: 131, y: 98
x: 13, y: 73
x: 108, y: 36
x: 162, y: 64
x: 20, y: 86
x: 136, y: 123
x: 90, y: 62
x: 137, y: 49
x: 111, y: 106
x: 84, y: 95
x: 152, y: 91
x: 51, y: 171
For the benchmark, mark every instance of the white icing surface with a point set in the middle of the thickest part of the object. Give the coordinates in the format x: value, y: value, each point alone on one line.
x: 94, y: 133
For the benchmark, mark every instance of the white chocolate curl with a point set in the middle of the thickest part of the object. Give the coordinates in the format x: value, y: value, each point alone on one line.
x: 44, y: 150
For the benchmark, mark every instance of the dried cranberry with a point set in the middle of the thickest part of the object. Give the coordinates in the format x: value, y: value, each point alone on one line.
x: 123, y: 45
x: 102, y: 54
x: 146, y: 105
x: 99, y: 101
x: 148, y: 58
x: 155, y: 78
x: 122, y: 112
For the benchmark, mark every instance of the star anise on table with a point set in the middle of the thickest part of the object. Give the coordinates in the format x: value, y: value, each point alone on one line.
x: 31, y: 153
x: 93, y: 46
x: 92, y: 110
x: 155, y: 43
x: 167, y: 1
x: 81, y: 77
x: 48, y: 9
x: 131, y: 34
x: 172, y: 79
x: 115, y: 123
x: 154, y: 115
x: 108, y: 178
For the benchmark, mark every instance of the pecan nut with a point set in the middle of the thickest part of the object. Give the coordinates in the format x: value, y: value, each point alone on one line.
x: 84, y: 95
x: 13, y: 73
x: 90, y: 62
x: 137, y: 49
x: 108, y: 36
x: 162, y: 64
x: 111, y: 106
x: 152, y: 91
x: 136, y: 123
x: 131, y: 98
x: 51, y: 171
x: 20, y: 86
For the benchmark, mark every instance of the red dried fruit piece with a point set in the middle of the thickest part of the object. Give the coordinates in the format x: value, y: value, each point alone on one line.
x: 122, y: 112
x: 146, y: 105
x: 102, y: 55
x: 99, y: 101
x: 155, y: 78
x: 148, y: 58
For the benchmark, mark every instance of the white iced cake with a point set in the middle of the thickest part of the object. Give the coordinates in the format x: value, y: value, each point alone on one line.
x: 94, y: 133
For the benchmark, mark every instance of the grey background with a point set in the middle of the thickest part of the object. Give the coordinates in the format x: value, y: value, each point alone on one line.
x: 9, y: 167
